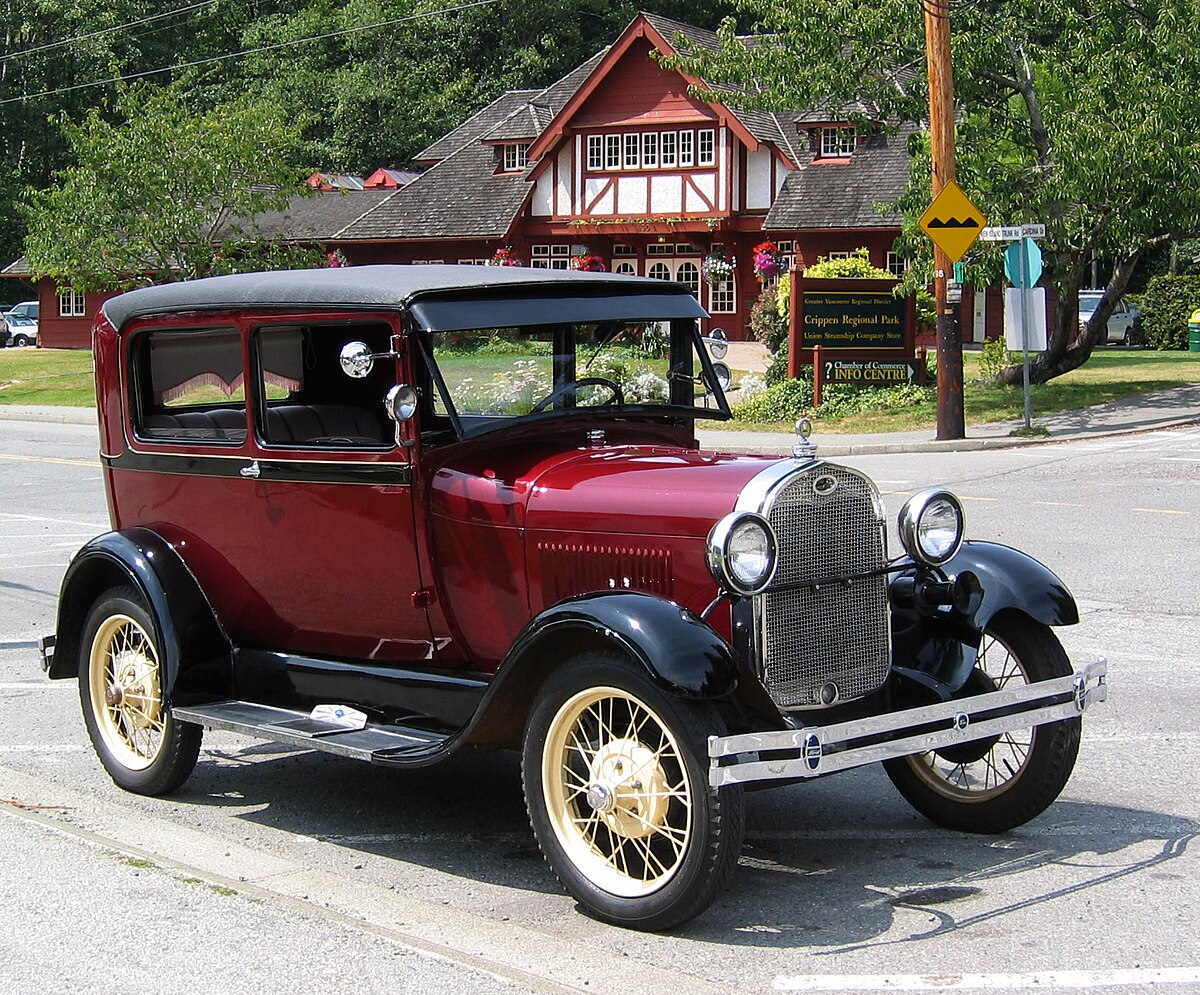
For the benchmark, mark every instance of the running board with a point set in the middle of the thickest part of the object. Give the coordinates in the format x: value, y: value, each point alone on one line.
x: 374, y: 743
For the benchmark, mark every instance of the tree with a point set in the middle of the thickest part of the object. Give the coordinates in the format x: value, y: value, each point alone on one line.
x: 164, y: 194
x: 1079, y: 114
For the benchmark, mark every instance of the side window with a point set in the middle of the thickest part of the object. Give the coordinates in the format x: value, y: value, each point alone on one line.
x: 189, y: 385
x: 304, y: 399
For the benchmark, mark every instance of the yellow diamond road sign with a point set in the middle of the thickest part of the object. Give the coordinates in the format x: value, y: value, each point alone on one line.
x: 952, y: 221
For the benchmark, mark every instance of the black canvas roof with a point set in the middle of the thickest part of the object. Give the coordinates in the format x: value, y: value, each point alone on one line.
x: 394, y: 286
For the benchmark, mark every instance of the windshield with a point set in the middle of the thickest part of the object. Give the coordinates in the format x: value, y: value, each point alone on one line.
x: 488, y: 377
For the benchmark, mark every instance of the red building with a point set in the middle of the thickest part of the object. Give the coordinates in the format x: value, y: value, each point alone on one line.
x: 618, y: 161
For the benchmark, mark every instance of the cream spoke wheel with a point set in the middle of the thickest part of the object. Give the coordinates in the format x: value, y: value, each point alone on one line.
x: 617, y: 791
x: 124, y: 678
x: 1001, y: 781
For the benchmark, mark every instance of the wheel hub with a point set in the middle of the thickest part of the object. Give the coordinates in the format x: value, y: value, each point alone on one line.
x: 629, y: 788
x: 135, y: 688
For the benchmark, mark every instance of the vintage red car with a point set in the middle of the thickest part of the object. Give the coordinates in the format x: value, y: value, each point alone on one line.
x: 395, y: 512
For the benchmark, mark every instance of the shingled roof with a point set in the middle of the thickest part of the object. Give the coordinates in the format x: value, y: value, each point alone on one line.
x: 477, y: 125
x: 844, y: 194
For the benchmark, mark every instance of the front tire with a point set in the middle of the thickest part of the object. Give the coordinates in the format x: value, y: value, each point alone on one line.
x: 996, y: 784
x: 143, y: 748
x: 616, y: 783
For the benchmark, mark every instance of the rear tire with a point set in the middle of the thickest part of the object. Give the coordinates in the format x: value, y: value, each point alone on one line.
x: 21, y: 340
x: 616, y: 783
x: 143, y: 748
x: 993, y: 785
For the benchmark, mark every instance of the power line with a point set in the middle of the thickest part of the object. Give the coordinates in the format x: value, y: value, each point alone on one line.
x: 106, y: 31
x: 248, y: 51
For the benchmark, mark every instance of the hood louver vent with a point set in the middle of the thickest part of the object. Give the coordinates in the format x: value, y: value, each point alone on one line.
x: 568, y: 569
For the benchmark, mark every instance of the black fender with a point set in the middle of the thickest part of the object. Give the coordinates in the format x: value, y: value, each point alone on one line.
x: 679, y: 651
x: 195, y: 652
x: 938, y: 650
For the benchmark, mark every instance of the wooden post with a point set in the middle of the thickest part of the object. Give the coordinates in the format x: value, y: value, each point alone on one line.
x: 950, y: 420
x: 816, y: 351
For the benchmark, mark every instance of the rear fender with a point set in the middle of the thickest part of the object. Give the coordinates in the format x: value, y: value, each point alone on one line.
x: 939, y: 650
x: 196, y: 658
x: 679, y: 651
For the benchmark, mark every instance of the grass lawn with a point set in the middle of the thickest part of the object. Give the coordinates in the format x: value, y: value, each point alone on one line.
x: 47, y: 376
x: 1110, y: 374
x: 64, y: 377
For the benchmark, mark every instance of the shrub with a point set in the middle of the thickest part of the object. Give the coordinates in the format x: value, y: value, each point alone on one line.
x: 994, y: 358
x: 785, y: 401
x: 1166, y: 306
x: 842, y: 401
x: 777, y: 370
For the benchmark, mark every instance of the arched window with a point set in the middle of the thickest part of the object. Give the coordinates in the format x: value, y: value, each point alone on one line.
x: 689, y: 275
x: 626, y: 268
x: 659, y: 271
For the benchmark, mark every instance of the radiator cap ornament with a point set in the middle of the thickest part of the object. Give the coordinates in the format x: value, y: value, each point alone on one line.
x: 803, y: 449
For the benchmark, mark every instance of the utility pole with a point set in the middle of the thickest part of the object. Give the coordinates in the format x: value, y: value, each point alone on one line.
x: 950, y: 421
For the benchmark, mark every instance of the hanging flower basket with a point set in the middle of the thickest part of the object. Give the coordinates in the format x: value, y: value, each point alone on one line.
x: 336, y: 259
x: 716, y: 269
x: 588, y: 262
x: 767, y: 262
x: 503, y: 257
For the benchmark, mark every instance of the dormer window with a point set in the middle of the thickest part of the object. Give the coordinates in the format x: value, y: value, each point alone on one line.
x: 837, y: 143
x: 515, y: 157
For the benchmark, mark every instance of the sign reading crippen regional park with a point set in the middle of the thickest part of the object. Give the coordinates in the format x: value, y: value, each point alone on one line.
x: 853, y: 332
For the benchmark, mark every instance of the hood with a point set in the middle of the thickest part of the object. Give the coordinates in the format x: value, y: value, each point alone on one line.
x: 658, y: 491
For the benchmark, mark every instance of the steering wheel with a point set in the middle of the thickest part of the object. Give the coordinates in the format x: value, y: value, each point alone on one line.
x: 572, y: 387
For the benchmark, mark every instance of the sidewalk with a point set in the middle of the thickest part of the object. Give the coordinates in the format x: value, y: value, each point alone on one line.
x: 1167, y: 408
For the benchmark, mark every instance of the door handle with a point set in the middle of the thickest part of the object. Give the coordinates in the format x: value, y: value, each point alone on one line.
x: 251, y: 471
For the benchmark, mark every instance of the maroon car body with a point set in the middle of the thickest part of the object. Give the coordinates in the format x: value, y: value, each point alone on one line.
x: 394, y: 512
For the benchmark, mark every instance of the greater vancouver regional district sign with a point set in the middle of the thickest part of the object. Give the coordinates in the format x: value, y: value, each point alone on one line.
x: 952, y: 221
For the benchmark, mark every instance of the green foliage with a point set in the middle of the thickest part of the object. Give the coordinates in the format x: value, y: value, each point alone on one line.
x: 856, y: 266
x: 777, y: 370
x: 994, y: 358
x: 842, y: 402
x: 1166, y: 306
x: 784, y: 401
x: 767, y: 324
x: 166, y: 193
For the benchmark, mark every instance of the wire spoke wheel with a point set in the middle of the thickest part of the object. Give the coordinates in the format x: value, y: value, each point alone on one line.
x: 1000, y: 782
x: 617, y: 791
x: 616, y: 782
x: 125, y: 689
x: 143, y: 748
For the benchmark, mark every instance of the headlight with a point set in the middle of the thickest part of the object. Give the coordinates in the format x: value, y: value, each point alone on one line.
x: 931, y: 526
x: 741, y: 553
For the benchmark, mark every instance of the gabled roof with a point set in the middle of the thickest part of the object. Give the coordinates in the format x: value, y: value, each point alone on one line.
x: 535, y: 116
x: 477, y: 125
x: 317, y: 217
x: 844, y: 194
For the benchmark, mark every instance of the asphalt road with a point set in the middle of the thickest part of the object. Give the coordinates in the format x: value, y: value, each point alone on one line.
x: 276, y: 870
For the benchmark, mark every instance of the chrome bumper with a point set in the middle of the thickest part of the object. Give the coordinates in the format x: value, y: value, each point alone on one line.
x: 813, y: 751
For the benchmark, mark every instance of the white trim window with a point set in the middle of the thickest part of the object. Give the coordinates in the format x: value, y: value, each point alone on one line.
x: 595, y: 151
x: 612, y: 151
x: 706, y: 147
x: 837, y: 143
x: 659, y: 271
x: 650, y: 149
x: 625, y: 268
x: 686, y: 148
x: 436, y: 262
x: 633, y: 148
x: 722, y: 298
x: 897, y: 265
x: 689, y: 275
x: 550, y: 256
x: 71, y: 303
x: 516, y: 158
x: 669, y: 142
x: 837, y: 255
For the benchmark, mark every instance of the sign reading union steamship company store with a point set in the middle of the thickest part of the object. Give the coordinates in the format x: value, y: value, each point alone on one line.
x: 857, y: 330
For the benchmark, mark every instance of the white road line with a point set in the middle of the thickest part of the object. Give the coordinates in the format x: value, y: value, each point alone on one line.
x: 53, y: 521
x: 38, y: 686
x: 1046, y: 981
x: 45, y: 748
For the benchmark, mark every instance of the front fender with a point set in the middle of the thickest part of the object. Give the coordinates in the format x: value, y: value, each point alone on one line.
x: 195, y: 652
x: 938, y: 650
x: 678, y: 650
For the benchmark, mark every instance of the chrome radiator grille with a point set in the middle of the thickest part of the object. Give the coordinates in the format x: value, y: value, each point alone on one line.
x: 836, y: 636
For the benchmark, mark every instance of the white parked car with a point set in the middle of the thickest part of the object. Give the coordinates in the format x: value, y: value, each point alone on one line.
x: 1124, y: 324
x: 21, y: 321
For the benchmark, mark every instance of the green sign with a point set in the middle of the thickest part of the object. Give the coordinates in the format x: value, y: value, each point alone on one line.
x: 848, y: 320
x: 870, y: 373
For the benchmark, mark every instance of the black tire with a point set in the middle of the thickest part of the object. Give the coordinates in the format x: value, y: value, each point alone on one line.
x: 21, y: 340
x: 647, y: 849
x: 143, y: 748
x: 997, y: 784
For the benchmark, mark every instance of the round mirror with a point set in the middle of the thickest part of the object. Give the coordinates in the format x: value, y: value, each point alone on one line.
x: 724, y: 376
x: 401, y: 402
x: 356, y: 359
x: 718, y: 343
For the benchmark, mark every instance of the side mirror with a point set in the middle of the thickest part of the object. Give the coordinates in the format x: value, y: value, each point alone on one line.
x: 357, y: 359
x: 723, y: 374
x: 717, y: 342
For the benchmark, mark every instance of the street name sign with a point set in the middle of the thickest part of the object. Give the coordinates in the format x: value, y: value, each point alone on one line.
x: 1010, y: 233
x: 952, y: 221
